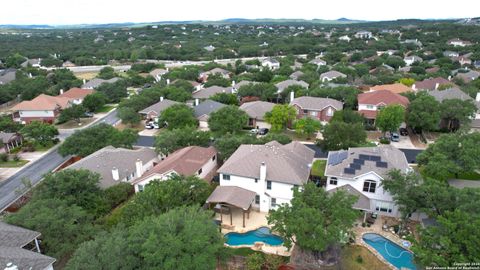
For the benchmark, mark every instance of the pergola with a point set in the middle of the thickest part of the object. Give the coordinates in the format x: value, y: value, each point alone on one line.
x: 228, y: 196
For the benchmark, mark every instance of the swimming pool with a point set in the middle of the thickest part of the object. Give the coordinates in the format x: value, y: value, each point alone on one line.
x: 261, y: 234
x: 393, y: 253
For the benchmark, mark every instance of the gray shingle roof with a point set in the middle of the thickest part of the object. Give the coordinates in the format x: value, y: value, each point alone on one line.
x: 235, y: 196
x: 388, y: 156
x: 332, y: 74
x: 94, y: 83
x: 14, y: 236
x: 7, y: 75
x: 451, y: 93
x: 282, y: 85
x: 211, y: 91
x: 207, y: 107
x: 285, y: 163
x: 105, y: 159
x: 257, y: 109
x: 24, y: 259
x: 6, y: 137
x: 316, y: 103
x: 159, y: 107
x: 363, y: 202
x: 295, y: 75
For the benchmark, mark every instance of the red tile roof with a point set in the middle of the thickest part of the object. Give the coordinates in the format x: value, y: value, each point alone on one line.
x: 382, y: 97
x: 77, y: 93
x: 42, y: 103
x: 394, y: 88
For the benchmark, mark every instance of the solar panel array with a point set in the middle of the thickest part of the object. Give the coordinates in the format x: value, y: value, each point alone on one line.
x: 358, y: 162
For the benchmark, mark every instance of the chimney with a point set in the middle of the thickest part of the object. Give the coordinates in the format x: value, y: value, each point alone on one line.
x: 436, y: 86
x: 477, y: 98
x: 139, y: 167
x: 168, y: 81
x: 161, y: 98
x: 263, y: 172
x: 233, y: 83
x: 61, y: 91
x: 292, y: 96
x: 84, y: 81
x: 196, y: 102
x: 115, y: 174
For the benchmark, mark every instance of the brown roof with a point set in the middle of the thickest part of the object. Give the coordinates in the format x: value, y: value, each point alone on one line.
x: 42, y: 102
x: 394, y: 88
x: 77, y: 93
x: 185, y: 161
x: 430, y: 84
x: 316, y: 103
x: 382, y: 97
x: 236, y: 196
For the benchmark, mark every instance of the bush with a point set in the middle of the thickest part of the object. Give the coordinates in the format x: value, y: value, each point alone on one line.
x: 3, y: 157
x: 255, y: 261
x: 117, y: 194
x: 16, y: 157
x: 384, y: 141
x: 359, y: 259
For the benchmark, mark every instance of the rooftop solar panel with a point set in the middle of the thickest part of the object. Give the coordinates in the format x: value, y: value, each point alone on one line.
x: 375, y: 158
x: 355, y: 166
x: 381, y: 164
x: 349, y: 171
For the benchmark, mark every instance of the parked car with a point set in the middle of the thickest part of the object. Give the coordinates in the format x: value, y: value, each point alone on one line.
x: 263, y: 131
x: 88, y: 114
x: 148, y: 126
x: 253, y: 131
x: 152, y: 124
x: 403, y: 132
x: 394, y: 137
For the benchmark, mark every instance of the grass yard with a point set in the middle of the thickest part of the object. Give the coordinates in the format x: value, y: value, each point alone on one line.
x: 318, y: 168
x: 75, y: 124
x: 43, y: 148
x: 105, y: 109
x: 13, y: 163
x: 294, y: 136
x: 358, y: 257
x: 463, y: 176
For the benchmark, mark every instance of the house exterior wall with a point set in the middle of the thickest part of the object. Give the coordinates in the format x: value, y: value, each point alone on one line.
x: 323, y: 116
x: 367, y: 107
x: 29, y: 116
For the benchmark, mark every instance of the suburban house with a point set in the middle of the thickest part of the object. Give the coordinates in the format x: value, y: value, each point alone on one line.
x: 153, y: 112
x: 430, y: 84
x: 208, y: 92
x: 36, y: 63
x: 256, y: 111
x: 451, y: 54
x: 271, y: 171
x: 158, y: 73
x: 271, y: 63
x: 468, y: 76
x: 76, y: 95
x: 409, y: 60
x: 191, y: 160
x: 456, y: 93
x: 285, y: 84
x: 94, y: 83
x: 456, y: 42
x: 216, y: 71
x: 296, y: 75
x: 345, y: 38
x: 371, y: 102
x: 363, y: 34
x: 20, y: 249
x: 318, y: 61
x: 9, y: 141
x: 236, y: 86
x: 360, y: 172
x: 7, y: 75
x: 203, y: 110
x: 331, y: 75
x: 321, y: 109
x: 116, y: 165
x: 396, y: 88
x: 43, y: 108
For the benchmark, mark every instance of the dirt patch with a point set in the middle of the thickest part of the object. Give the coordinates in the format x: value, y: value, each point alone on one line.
x: 374, y: 135
x: 86, y: 75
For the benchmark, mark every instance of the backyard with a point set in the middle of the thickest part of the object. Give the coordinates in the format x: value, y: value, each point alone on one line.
x: 318, y: 168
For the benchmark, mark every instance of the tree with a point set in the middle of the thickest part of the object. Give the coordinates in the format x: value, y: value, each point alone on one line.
x: 8, y: 125
x: 15, y: 60
x: 315, y: 219
x: 229, y: 119
x: 169, y: 141
x: 94, y: 101
x: 40, y: 132
x: 264, y: 91
x: 390, y: 118
x: 225, y: 98
x: 129, y: 116
x: 228, y: 144
x: 340, y: 135
x: 86, y: 141
x: 74, y: 112
x: 423, y: 112
x: 407, y: 81
x: 178, y: 116
x: 348, y: 116
x: 106, y: 73
x: 114, y: 91
x: 280, y: 116
x: 456, y: 112
x: 160, y: 197
x: 307, y: 126
x: 346, y: 94
x: 450, y: 155
x: 175, y: 93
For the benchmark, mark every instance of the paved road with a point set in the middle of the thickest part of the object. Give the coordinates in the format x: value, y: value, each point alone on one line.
x: 145, y: 141
x: 9, y: 189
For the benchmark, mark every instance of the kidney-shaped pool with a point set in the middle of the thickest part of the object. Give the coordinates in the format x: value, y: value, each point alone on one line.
x: 393, y: 253
x: 261, y: 234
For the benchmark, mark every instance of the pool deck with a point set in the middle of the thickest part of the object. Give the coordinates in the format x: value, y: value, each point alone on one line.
x: 256, y: 220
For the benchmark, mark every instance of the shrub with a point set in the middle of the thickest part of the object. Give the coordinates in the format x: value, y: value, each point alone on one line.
x: 117, y: 194
x: 359, y: 259
x: 3, y: 157
x: 384, y: 141
x: 16, y: 157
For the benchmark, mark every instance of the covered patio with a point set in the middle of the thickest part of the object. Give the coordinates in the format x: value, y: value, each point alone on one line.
x: 230, y: 199
x: 363, y: 202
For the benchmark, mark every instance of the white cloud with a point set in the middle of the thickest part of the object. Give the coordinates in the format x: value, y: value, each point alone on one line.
x: 114, y: 11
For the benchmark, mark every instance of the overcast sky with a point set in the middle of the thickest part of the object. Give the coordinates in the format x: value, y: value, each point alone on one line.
x: 60, y: 12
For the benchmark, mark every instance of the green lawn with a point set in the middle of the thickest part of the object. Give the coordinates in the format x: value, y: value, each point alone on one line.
x: 105, y: 108
x: 318, y: 168
x: 43, y: 148
x: 13, y: 163
x: 463, y: 175
x: 358, y: 257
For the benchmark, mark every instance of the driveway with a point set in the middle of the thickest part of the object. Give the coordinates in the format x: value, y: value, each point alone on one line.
x: 404, y: 142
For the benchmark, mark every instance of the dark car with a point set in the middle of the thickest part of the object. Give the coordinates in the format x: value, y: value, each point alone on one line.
x: 263, y: 131
x: 403, y: 132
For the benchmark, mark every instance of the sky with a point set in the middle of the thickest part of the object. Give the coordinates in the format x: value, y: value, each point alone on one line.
x: 65, y: 12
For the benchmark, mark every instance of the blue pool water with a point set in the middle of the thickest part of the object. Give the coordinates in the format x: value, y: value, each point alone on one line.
x: 392, y: 252
x: 262, y: 234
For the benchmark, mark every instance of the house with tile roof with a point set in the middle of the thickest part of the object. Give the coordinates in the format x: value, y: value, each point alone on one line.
x: 20, y: 249
x: 430, y: 84
x: 397, y: 88
x: 360, y: 171
x: 43, y: 108
x: 321, y: 109
x: 256, y: 111
x: 370, y: 103
x: 76, y: 95
x: 152, y: 112
x: 188, y: 161
x: 271, y: 171
x: 116, y: 165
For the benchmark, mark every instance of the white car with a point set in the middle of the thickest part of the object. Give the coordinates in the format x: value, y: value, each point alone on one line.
x: 254, y: 131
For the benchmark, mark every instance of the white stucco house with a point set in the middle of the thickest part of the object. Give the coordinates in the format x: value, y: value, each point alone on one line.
x: 271, y: 171
x: 361, y: 171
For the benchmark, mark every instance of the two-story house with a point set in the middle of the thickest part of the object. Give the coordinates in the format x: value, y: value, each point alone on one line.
x: 192, y: 160
x: 256, y: 111
x: 43, y: 108
x: 321, y: 109
x: 371, y: 102
x: 271, y: 171
x: 360, y: 172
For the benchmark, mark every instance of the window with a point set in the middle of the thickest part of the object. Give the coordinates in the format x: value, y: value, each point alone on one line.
x: 226, y: 177
x: 273, y: 202
x: 140, y: 188
x: 370, y: 107
x: 257, y: 199
x: 329, y: 111
x: 200, y: 171
x: 305, y: 111
x: 313, y: 113
x: 256, y: 180
x: 333, y: 181
x: 213, y: 158
x: 269, y: 185
x: 384, y: 207
x: 369, y: 186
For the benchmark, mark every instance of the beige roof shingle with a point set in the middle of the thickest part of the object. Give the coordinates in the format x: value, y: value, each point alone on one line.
x: 257, y: 109
x: 316, y: 103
